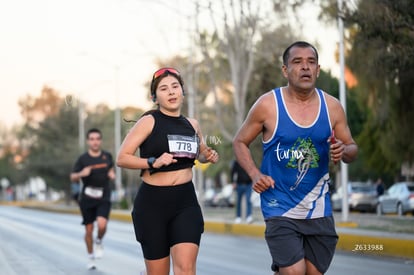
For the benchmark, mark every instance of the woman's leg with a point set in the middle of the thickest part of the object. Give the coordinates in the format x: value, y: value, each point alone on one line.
x: 158, y: 267
x: 184, y: 257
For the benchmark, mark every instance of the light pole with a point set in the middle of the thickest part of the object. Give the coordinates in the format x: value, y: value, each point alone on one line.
x: 117, y: 127
x: 342, y: 97
x: 81, y: 125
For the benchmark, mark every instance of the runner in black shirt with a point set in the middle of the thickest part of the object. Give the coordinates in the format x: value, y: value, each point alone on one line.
x: 95, y: 169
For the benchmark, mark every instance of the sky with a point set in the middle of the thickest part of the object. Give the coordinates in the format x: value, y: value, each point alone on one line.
x: 99, y: 51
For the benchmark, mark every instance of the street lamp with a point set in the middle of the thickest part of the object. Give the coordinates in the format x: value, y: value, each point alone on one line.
x: 81, y: 125
x: 117, y: 127
x: 342, y: 97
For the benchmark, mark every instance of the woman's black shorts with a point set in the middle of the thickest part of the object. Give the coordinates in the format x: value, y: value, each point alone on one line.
x: 164, y: 216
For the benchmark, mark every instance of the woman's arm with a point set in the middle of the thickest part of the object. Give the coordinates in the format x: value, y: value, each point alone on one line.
x: 207, y: 154
x: 127, y: 157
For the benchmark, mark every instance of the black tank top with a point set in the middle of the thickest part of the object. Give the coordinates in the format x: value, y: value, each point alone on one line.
x: 174, y: 135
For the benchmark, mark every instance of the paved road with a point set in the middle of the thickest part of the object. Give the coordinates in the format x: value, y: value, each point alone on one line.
x: 37, y: 242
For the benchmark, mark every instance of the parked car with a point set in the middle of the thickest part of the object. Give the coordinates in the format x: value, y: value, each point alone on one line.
x: 362, y: 197
x: 399, y: 198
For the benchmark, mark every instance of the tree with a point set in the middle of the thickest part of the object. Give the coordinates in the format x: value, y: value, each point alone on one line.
x: 11, y: 156
x: 235, y: 37
x: 52, y: 156
x: 383, y: 38
x: 35, y: 109
x: 379, y: 51
x: 240, y: 49
x: 50, y: 135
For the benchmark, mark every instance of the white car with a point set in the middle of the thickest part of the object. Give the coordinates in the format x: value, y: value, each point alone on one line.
x: 361, y: 197
x: 399, y: 198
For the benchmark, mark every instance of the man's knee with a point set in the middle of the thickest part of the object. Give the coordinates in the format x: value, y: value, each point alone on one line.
x: 102, y: 222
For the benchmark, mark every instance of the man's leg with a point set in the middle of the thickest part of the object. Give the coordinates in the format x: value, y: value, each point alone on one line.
x: 311, y: 269
x: 89, y: 237
x: 102, y: 222
x: 88, y: 215
x: 295, y: 269
x: 302, y: 267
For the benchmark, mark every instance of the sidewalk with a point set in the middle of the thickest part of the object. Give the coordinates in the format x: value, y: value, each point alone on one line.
x: 352, y: 235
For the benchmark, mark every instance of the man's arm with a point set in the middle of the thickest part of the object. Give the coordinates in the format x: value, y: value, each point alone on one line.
x: 250, y: 129
x: 345, y: 148
x: 241, y: 142
x: 76, y: 176
x: 111, y: 173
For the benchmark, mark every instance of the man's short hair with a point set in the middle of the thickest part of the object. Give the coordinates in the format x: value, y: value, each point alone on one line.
x: 300, y: 44
x: 93, y: 130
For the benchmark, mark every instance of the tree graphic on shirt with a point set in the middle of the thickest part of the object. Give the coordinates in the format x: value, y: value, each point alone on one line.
x: 303, y: 157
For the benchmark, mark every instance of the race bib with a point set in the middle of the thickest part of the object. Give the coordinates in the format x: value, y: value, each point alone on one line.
x: 183, y: 146
x: 94, y: 192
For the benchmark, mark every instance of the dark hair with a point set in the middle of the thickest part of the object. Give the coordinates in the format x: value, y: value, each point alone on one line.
x: 143, y: 114
x: 300, y: 44
x: 155, y: 81
x: 93, y: 130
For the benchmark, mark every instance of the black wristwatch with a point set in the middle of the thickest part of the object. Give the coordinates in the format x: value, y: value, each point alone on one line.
x: 151, y: 161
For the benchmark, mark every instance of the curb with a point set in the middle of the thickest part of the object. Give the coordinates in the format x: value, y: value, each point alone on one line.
x: 361, y: 244
x: 370, y: 243
x: 376, y: 245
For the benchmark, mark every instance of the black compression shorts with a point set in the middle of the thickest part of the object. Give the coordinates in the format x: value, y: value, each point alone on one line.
x: 164, y: 216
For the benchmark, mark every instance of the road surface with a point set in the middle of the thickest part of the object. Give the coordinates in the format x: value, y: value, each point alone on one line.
x: 37, y: 242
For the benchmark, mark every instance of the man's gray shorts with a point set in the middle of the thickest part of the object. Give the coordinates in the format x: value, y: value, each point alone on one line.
x: 290, y: 240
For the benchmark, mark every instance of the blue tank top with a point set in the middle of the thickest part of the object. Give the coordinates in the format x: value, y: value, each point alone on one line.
x: 297, y: 158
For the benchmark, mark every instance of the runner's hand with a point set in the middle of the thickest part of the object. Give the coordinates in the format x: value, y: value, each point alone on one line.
x: 262, y: 183
x: 211, y: 155
x: 164, y: 160
x: 86, y: 171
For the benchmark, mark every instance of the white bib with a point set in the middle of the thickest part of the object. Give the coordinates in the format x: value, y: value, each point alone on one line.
x: 183, y: 146
x: 94, y: 192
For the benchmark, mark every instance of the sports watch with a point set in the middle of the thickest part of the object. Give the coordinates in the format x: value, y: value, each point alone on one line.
x: 151, y: 161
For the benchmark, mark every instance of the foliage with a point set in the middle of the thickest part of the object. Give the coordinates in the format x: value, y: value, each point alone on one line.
x: 11, y: 156
x: 379, y: 49
x: 50, y: 135
x: 35, y: 109
x: 379, y: 41
x: 52, y: 156
x: 384, y: 40
x: 236, y: 29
